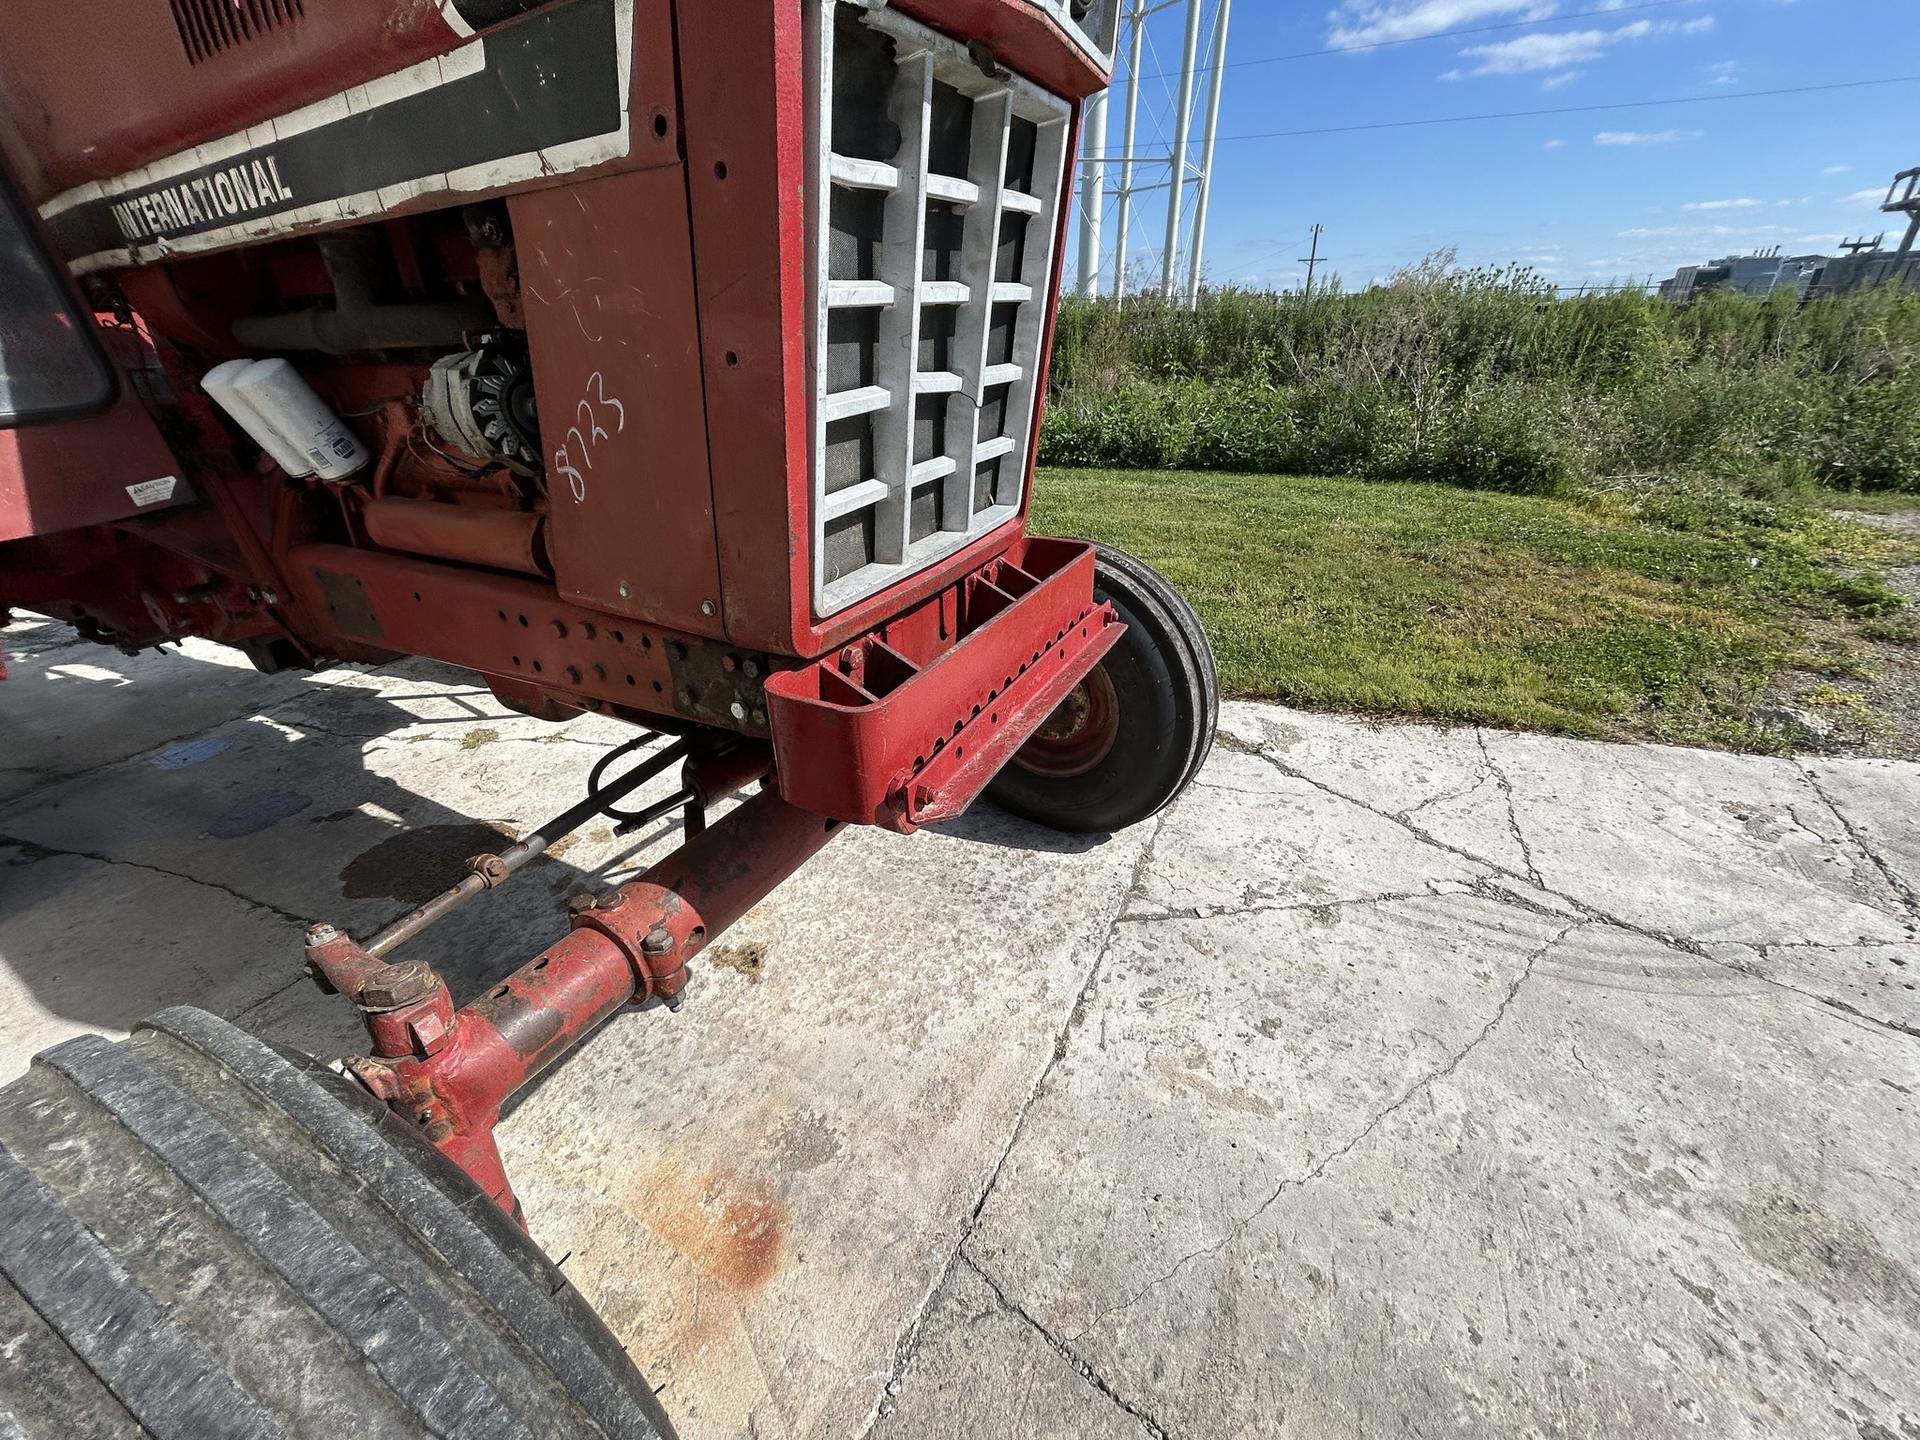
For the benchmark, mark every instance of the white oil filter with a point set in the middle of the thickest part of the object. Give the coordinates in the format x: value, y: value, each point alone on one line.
x: 219, y: 383
x: 287, y: 403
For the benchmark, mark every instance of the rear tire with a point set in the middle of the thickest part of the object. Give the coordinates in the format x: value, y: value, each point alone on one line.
x: 1135, y: 732
x: 204, y: 1237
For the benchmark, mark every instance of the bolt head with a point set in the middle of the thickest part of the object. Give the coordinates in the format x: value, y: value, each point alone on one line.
x: 321, y: 934
x: 579, y: 903
x: 675, y: 1002
x: 429, y: 1034
x: 626, y: 590
x: 658, y: 942
x: 707, y: 607
x: 737, y: 710
x: 397, y: 985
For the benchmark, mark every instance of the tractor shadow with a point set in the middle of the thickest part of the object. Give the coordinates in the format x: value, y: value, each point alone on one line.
x: 185, y: 873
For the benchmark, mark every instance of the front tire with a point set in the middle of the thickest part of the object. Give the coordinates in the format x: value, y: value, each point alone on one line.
x: 204, y: 1238
x: 1134, y: 733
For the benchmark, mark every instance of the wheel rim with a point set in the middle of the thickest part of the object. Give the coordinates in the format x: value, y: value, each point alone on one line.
x: 1080, y: 732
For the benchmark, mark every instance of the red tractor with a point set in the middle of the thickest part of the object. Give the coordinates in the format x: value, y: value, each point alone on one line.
x: 676, y: 360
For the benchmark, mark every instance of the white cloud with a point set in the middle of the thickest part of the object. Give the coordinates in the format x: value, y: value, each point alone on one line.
x: 1553, y: 145
x: 1564, y: 49
x: 1556, y: 51
x: 1702, y: 232
x: 1562, y: 80
x: 1723, y: 72
x: 1836, y: 169
x: 1367, y: 22
x: 1745, y: 202
x: 1645, y: 137
x: 1873, y: 195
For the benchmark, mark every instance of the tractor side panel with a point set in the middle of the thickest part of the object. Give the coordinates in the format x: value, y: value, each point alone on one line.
x: 606, y: 275
x: 88, y: 471
x: 744, y: 100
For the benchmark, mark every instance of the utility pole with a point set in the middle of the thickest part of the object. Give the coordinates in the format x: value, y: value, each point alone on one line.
x: 1182, y: 123
x: 1135, y: 18
x: 1215, y: 67
x: 1312, y: 260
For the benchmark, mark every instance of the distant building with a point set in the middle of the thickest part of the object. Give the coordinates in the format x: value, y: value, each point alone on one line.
x: 1864, y: 265
x: 1865, y: 269
x: 1759, y: 275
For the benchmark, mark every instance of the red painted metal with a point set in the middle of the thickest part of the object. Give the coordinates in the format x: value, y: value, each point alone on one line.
x: 606, y: 272
x: 96, y: 456
x: 470, y: 534
x: 71, y: 127
x: 450, y: 1071
x: 1022, y: 38
x: 668, y: 311
x: 886, y: 733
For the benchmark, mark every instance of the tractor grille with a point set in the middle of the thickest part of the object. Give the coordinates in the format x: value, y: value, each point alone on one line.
x: 208, y: 27
x: 937, y: 192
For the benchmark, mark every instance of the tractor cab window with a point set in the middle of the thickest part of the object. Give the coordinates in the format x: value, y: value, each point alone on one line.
x: 50, y: 362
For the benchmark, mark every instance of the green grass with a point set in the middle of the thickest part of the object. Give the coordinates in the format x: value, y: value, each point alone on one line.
x: 1661, y: 616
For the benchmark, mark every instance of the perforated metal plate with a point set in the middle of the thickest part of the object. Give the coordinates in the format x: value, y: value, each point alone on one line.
x: 937, y: 192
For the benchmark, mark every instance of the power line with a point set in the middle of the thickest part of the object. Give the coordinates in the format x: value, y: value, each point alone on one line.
x: 1561, y: 110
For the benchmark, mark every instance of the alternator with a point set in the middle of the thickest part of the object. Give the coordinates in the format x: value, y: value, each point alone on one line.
x: 481, y: 402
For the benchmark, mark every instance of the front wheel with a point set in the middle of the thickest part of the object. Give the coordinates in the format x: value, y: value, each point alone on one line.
x: 1133, y: 734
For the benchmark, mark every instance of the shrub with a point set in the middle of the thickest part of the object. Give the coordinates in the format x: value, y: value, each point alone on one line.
x: 1487, y: 378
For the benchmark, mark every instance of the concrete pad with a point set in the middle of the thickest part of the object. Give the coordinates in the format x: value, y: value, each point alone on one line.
x: 90, y: 946
x: 983, y: 1372
x: 321, y: 820
x: 1694, y: 843
x: 1881, y: 982
x: 1260, y: 837
x: 69, y: 705
x: 1435, y: 779
x: 1635, y: 1194
x: 1880, y: 802
x: 1346, y: 1111
x: 760, y: 1194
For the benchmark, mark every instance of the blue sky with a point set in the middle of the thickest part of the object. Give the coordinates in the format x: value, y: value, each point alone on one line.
x: 1585, y: 198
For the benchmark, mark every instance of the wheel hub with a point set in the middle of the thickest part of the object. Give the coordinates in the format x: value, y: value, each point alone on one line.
x: 1080, y: 732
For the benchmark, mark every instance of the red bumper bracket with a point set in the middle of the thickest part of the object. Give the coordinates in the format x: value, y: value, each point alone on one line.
x: 907, y: 725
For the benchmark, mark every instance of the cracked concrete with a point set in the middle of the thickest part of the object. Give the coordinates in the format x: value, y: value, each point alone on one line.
x: 1398, y: 1080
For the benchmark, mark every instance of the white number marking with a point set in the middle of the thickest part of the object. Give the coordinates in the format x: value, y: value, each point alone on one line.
x: 589, y: 433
